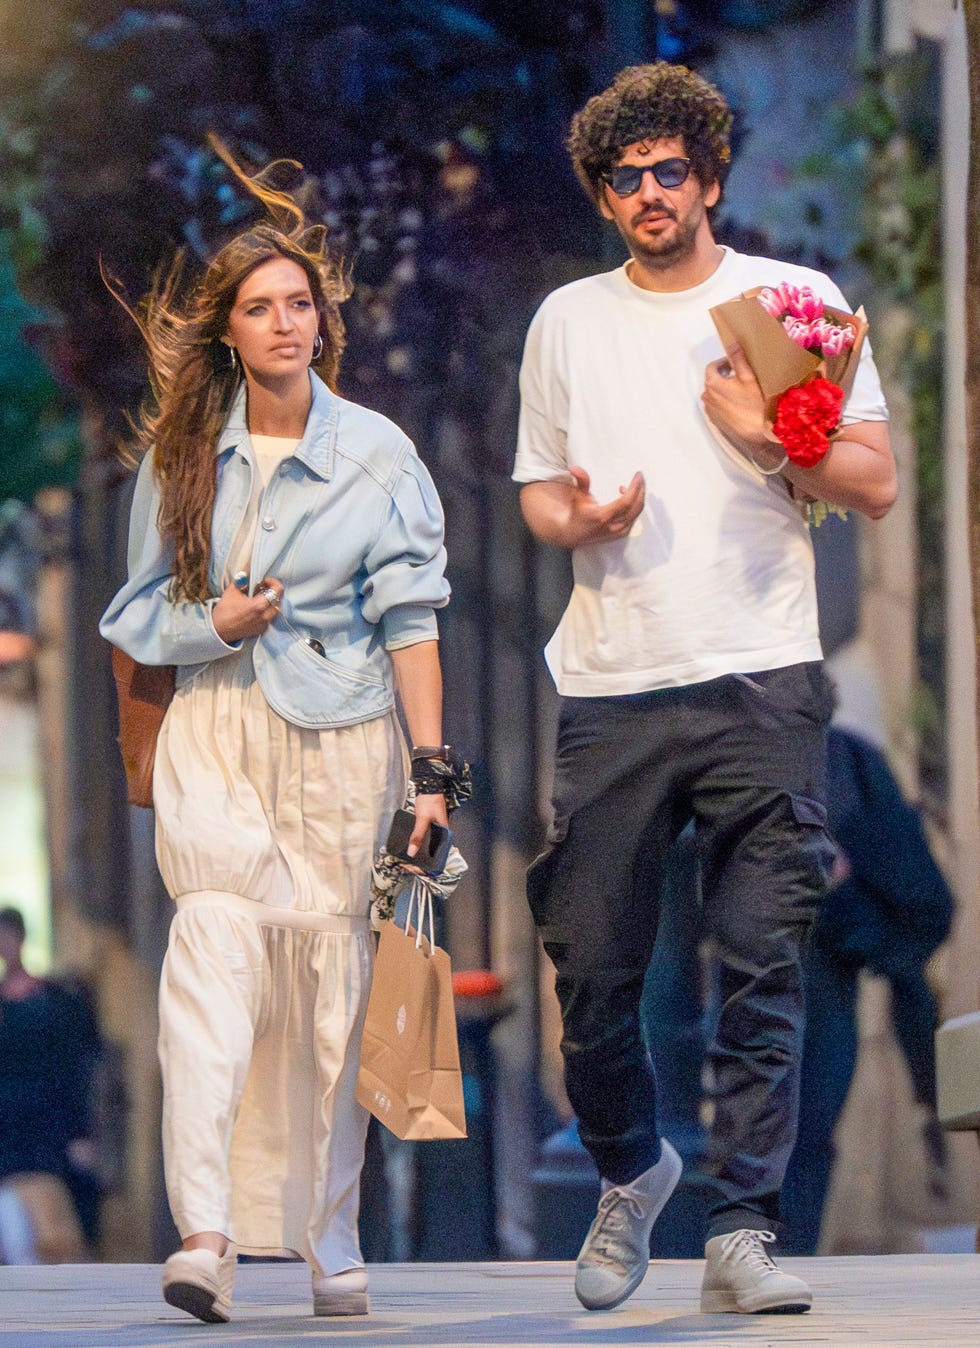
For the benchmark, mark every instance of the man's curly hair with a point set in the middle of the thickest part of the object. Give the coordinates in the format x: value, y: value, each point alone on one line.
x: 651, y: 102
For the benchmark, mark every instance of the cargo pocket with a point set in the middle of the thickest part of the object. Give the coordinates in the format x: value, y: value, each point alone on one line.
x: 819, y: 849
x: 538, y: 876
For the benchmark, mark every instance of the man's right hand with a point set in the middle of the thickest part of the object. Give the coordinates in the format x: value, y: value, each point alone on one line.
x: 568, y: 515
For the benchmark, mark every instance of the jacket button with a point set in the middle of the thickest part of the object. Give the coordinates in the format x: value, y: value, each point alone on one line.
x: 268, y: 522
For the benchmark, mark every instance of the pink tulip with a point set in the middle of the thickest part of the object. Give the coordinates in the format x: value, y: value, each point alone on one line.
x: 801, y: 333
x: 771, y: 302
x: 804, y: 304
x: 835, y: 339
x: 786, y: 294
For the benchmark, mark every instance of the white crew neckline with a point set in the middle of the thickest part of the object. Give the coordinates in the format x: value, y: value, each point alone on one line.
x: 726, y: 264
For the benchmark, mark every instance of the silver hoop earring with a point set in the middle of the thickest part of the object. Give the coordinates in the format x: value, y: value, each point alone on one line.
x: 232, y: 357
x: 317, y: 347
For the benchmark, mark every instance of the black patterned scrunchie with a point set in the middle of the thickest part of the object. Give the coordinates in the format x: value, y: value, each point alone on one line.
x: 447, y: 775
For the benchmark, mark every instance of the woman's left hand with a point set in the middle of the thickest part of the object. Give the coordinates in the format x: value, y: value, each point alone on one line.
x: 429, y: 809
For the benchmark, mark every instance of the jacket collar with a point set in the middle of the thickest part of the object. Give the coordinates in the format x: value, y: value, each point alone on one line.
x: 316, y: 449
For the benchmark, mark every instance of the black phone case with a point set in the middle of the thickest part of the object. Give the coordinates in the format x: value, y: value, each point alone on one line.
x: 433, y: 850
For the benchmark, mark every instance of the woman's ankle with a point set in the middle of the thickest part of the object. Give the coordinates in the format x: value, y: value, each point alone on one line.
x: 207, y: 1240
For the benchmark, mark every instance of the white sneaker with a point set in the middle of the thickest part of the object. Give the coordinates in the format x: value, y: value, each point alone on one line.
x: 341, y: 1293
x: 200, y: 1283
x: 740, y: 1276
x: 616, y: 1254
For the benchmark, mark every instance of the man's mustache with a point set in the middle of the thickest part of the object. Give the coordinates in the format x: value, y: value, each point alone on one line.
x: 656, y: 208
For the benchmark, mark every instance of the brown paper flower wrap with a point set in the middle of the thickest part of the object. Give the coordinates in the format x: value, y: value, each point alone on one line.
x: 776, y: 360
x: 780, y: 364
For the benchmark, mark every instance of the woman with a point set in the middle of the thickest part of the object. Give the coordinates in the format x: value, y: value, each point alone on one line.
x: 286, y: 555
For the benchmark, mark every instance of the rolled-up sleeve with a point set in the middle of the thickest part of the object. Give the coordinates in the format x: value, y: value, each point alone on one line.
x: 405, y: 581
x: 141, y: 619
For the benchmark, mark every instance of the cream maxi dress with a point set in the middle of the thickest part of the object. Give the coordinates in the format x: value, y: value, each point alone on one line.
x: 265, y: 836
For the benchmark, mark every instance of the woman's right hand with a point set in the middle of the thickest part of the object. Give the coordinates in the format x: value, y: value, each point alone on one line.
x: 236, y: 615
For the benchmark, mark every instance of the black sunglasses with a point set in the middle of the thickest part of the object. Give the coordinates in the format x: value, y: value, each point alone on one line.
x: 628, y: 178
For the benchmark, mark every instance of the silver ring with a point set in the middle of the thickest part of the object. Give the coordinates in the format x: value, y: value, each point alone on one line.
x: 726, y: 371
x: 271, y: 596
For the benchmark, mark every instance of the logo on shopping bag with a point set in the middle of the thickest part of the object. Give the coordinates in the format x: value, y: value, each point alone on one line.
x: 400, y: 1018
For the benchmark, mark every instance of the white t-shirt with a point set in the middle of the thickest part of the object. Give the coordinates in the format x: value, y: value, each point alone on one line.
x: 270, y: 450
x: 716, y: 576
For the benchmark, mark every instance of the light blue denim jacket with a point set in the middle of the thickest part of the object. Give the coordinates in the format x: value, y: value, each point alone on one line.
x: 350, y: 523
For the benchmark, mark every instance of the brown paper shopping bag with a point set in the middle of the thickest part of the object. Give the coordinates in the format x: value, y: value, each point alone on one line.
x: 409, y: 1075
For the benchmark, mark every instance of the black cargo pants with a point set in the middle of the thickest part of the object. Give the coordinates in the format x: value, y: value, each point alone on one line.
x: 745, y: 756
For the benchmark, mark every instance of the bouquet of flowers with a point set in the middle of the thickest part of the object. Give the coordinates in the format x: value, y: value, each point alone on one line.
x: 804, y: 355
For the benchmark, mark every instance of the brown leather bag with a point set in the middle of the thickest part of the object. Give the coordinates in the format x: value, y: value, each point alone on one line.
x: 145, y: 692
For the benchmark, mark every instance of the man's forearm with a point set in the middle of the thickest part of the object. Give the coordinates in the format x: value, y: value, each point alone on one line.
x: 547, y: 511
x: 857, y: 472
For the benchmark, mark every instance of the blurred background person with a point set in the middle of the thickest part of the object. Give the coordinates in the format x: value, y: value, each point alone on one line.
x: 49, y: 1048
x: 889, y: 913
x: 19, y: 561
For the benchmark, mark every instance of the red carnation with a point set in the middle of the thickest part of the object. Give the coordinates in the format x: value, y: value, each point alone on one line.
x: 806, y: 415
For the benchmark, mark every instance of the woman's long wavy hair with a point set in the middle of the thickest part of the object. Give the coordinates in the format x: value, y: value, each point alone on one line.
x: 193, y: 375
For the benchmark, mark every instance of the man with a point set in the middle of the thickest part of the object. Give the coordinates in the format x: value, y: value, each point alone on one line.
x: 688, y: 660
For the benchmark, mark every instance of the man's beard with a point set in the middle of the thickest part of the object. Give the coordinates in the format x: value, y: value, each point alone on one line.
x: 660, y: 254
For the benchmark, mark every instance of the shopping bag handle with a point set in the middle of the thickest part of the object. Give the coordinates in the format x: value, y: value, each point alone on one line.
x: 420, y: 898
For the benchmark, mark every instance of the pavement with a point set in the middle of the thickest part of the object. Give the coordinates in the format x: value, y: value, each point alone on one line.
x: 859, y: 1301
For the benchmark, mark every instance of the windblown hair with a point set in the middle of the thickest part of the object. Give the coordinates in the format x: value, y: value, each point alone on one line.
x: 651, y: 102
x: 193, y: 376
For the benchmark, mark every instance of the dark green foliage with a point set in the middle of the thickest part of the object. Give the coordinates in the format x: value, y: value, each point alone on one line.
x: 895, y: 123
x: 39, y: 441
x: 409, y: 114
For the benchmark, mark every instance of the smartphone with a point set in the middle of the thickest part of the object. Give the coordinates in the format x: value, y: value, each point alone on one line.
x: 433, y: 849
